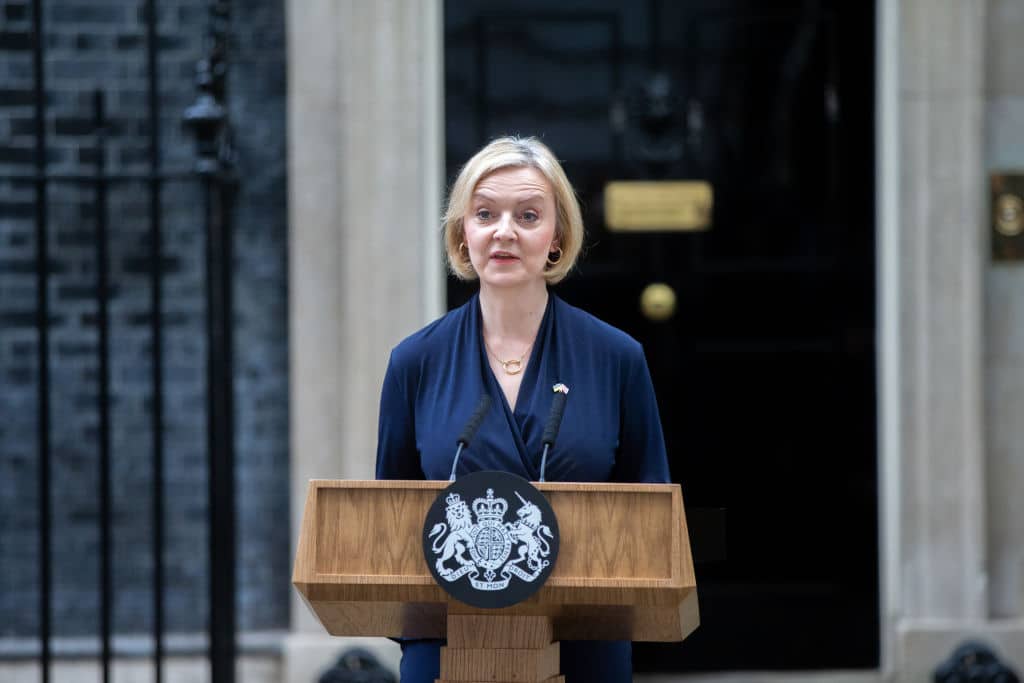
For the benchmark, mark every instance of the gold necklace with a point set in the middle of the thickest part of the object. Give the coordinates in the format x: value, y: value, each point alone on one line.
x: 511, y: 367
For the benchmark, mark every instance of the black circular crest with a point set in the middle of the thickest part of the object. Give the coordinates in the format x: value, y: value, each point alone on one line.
x: 490, y: 539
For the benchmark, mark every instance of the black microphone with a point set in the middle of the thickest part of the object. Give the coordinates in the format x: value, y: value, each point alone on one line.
x: 554, y: 422
x: 469, y: 431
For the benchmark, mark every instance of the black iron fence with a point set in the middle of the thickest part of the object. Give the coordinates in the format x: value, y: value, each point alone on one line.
x: 207, y: 119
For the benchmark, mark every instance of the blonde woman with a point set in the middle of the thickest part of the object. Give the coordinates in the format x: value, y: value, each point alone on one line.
x: 513, y: 223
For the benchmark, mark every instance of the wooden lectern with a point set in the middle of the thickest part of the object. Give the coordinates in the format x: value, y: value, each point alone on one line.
x: 624, y: 572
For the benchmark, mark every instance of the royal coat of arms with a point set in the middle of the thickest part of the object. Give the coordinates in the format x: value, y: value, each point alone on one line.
x: 489, y: 542
x: 477, y: 541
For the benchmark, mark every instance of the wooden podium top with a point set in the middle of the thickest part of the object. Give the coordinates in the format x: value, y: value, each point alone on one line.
x: 624, y: 569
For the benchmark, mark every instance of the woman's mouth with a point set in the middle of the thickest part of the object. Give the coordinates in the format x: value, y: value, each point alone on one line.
x: 503, y: 257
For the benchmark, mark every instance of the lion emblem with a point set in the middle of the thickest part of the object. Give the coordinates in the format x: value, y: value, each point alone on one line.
x: 459, y: 540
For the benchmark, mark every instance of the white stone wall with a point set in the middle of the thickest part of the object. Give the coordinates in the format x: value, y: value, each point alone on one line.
x: 365, y: 189
x: 1004, y: 322
x: 942, y: 257
x: 952, y: 517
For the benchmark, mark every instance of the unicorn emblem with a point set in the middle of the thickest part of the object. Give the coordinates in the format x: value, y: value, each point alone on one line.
x: 529, y: 531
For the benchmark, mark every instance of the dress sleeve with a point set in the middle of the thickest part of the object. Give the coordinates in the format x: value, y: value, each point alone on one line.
x: 641, y: 456
x: 397, y: 457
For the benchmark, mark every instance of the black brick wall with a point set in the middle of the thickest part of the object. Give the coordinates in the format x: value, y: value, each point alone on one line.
x: 94, y: 44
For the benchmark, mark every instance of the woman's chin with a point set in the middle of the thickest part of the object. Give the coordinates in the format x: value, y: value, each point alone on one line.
x: 510, y: 279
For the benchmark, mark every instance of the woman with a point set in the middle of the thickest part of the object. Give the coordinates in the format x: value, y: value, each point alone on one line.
x: 513, y: 222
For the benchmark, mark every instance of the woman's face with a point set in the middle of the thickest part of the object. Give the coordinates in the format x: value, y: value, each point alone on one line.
x: 510, y: 226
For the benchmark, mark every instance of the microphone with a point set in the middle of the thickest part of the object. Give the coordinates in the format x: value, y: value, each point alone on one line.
x: 554, y: 422
x: 469, y: 431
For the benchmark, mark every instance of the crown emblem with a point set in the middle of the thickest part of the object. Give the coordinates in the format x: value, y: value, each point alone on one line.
x: 453, y: 499
x: 490, y: 509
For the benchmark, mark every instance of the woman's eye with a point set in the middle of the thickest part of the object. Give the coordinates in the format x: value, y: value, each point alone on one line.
x: 483, y: 214
x: 530, y: 216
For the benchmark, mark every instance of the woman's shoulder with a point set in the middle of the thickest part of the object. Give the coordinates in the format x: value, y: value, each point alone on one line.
x: 431, y: 339
x: 608, y: 338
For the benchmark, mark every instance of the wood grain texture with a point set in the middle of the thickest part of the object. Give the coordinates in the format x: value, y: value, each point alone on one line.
x: 493, y: 630
x: 613, y: 535
x: 397, y: 619
x: 371, y: 532
x: 624, y: 568
x: 500, y: 664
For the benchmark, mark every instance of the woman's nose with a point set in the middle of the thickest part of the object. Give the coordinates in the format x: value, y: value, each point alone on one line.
x: 503, y: 229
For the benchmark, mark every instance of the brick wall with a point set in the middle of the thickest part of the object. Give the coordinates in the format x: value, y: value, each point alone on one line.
x: 100, y: 44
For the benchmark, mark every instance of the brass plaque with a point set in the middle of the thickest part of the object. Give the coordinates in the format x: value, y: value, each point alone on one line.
x: 657, y: 206
x: 1007, y: 216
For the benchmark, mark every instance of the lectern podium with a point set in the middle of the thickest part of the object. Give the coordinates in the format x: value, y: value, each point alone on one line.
x: 624, y: 572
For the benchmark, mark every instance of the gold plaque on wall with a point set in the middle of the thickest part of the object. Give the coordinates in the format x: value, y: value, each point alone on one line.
x: 1007, y: 231
x: 657, y: 206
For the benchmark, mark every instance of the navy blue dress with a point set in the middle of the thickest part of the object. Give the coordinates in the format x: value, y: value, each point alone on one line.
x: 610, y: 432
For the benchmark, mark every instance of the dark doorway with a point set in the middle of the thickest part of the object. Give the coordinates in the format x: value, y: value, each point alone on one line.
x: 765, y: 373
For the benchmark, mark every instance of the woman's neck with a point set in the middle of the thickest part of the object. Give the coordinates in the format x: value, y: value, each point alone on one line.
x: 513, y: 313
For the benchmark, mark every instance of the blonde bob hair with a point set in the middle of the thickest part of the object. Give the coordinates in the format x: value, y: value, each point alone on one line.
x: 509, y: 152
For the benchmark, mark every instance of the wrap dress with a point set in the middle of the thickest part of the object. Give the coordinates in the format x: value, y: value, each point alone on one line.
x: 610, y: 431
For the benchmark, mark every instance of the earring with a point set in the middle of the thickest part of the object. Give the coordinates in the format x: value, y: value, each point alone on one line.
x: 553, y: 262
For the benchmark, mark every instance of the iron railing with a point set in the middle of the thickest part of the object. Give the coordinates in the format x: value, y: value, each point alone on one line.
x: 213, y: 170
